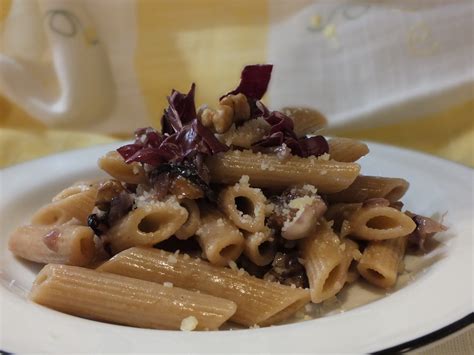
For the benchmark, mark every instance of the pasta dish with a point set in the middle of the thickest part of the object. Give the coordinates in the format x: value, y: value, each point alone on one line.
x: 232, y: 214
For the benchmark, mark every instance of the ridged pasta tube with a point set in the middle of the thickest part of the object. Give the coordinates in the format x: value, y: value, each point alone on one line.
x: 114, y: 165
x: 265, y: 170
x: 305, y: 120
x: 347, y: 149
x: 258, y: 301
x: 260, y: 247
x: 247, y: 134
x: 189, y: 228
x: 64, y: 244
x: 367, y: 187
x: 379, y: 223
x: 380, y: 261
x: 220, y: 240
x: 244, y: 205
x: 76, y: 206
x: 147, y: 225
x: 325, y: 263
x: 123, y: 300
x: 74, y: 189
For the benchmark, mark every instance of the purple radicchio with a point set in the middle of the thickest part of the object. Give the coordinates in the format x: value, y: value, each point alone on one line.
x: 182, y: 137
x: 253, y: 81
x: 181, y: 111
x: 253, y: 84
x: 281, y: 132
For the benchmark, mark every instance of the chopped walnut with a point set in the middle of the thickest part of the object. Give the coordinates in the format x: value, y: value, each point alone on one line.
x: 219, y: 120
x: 240, y: 106
x: 231, y: 108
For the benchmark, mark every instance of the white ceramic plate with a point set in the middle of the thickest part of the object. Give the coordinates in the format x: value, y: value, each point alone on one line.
x: 436, y: 295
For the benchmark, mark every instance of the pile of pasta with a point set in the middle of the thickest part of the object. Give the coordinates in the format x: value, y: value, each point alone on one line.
x: 230, y: 214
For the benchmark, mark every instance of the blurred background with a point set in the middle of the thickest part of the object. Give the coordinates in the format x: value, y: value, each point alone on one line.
x: 75, y: 73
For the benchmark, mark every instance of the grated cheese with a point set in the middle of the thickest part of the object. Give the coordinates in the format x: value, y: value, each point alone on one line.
x: 233, y: 265
x: 172, y: 259
x: 188, y: 323
x: 301, y: 202
x: 244, y: 180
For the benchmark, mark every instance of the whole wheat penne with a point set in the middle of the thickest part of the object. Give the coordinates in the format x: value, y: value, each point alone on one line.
x: 347, y: 149
x: 269, y: 171
x: 123, y: 300
x: 367, y: 187
x: 380, y: 261
x: 189, y: 228
x: 260, y: 247
x: 220, y: 240
x: 247, y: 134
x: 244, y: 205
x: 325, y: 263
x: 63, y: 244
x: 114, y: 165
x: 78, y: 206
x: 147, y: 225
x: 258, y: 301
x: 351, y: 252
x: 305, y: 120
x: 74, y: 189
x: 379, y: 223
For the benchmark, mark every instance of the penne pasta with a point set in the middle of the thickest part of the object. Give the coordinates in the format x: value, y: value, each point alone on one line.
x: 245, y: 135
x: 64, y: 244
x: 114, y: 165
x: 147, y: 225
x: 347, y: 149
x: 269, y: 171
x: 123, y: 300
x: 74, y: 189
x: 258, y: 302
x: 260, y: 247
x: 305, y: 120
x: 244, y: 205
x: 379, y: 223
x: 380, y: 261
x: 367, y: 187
x: 189, y: 228
x: 220, y: 240
x: 325, y: 262
x: 75, y: 206
x: 351, y: 252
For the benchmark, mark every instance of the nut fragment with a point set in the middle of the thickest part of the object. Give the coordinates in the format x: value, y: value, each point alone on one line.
x: 218, y: 120
x: 232, y: 108
x: 239, y: 104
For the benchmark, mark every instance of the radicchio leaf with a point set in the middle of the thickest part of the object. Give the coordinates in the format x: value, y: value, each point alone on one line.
x: 181, y: 111
x: 153, y: 148
x: 425, y: 229
x: 253, y: 81
x: 281, y: 132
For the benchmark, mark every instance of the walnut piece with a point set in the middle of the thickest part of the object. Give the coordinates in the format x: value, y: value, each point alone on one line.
x: 232, y: 108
